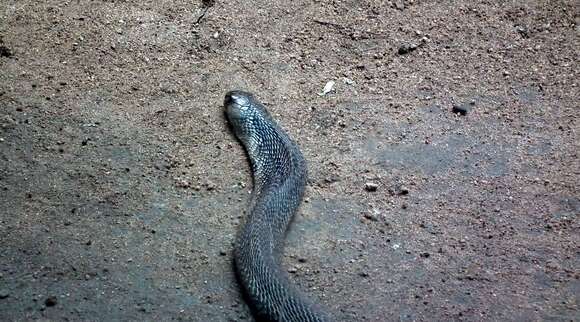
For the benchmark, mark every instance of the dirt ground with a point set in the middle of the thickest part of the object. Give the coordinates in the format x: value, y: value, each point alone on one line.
x: 122, y: 187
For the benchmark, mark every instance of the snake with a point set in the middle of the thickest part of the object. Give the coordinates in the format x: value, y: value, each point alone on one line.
x: 279, y: 179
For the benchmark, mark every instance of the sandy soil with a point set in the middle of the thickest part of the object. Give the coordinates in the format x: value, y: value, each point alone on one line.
x: 122, y: 188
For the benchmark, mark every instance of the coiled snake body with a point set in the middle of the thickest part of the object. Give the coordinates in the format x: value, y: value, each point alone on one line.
x: 279, y: 172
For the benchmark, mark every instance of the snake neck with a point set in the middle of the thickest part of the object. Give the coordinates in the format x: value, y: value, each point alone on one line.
x: 279, y: 173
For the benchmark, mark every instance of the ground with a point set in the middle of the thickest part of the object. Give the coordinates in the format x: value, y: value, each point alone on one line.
x: 443, y: 166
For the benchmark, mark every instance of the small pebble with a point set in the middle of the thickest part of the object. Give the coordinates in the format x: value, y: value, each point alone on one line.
x: 371, y: 186
x: 461, y: 109
x: 50, y: 301
x: 399, y: 4
x: 209, y: 185
x: 4, y: 294
x: 5, y: 52
x: 407, y: 48
x: 371, y: 217
x: 403, y: 191
x: 523, y: 31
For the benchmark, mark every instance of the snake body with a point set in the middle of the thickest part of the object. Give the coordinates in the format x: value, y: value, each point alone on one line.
x: 279, y: 173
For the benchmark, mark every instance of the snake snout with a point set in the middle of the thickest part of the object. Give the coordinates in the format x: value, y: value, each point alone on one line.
x: 238, y: 98
x: 239, y: 112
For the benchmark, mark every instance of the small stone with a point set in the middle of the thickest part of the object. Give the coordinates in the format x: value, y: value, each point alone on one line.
x: 161, y: 166
x: 182, y: 183
x: 371, y: 186
x: 371, y: 217
x: 223, y: 253
x: 403, y: 191
x: 523, y: 31
x: 331, y: 178
x: 461, y: 109
x: 399, y: 5
x: 209, y: 186
x: 363, y: 274
x: 292, y: 270
x: 50, y: 301
x: 302, y: 260
x: 425, y: 255
x: 407, y: 48
x: 4, y: 294
x: 5, y: 52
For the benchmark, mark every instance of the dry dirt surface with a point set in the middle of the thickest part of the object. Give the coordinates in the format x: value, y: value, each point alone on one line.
x: 443, y: 165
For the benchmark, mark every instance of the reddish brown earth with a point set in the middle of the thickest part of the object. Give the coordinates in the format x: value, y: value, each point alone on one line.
x: 122, y: 188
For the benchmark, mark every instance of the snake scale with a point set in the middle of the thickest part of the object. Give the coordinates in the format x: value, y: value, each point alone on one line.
x: 279, y: 173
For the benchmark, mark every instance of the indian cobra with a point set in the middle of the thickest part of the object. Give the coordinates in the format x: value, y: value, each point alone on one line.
x: 279, y: 172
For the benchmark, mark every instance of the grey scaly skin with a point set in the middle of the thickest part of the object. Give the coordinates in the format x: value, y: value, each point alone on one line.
x: 279, y: 172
